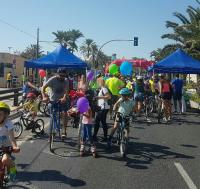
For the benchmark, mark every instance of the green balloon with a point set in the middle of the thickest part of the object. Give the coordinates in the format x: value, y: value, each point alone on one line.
x: 113, y: 69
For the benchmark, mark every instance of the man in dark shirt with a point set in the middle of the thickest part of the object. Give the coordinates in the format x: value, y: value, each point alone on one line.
x: 177, y: 85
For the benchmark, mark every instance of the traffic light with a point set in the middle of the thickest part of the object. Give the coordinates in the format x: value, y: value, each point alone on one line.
x: 135, y: 41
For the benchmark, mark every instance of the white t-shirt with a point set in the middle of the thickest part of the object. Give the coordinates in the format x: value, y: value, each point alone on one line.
x: 4, y: 133
x: 126, y: 107
x: 103, y: 103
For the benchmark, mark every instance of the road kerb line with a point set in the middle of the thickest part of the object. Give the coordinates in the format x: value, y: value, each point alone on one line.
x: 185, y: 176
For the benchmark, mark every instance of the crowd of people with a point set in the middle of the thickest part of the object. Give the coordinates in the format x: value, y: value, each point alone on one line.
x: 114, y: 94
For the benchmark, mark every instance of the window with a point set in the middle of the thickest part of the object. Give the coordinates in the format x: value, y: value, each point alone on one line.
x: 1, y: 69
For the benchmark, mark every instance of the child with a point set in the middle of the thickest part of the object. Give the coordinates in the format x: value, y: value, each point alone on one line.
x: 31, y: 105
x: 7, y: 138
x: 86, y: 132
x: 125, y: 106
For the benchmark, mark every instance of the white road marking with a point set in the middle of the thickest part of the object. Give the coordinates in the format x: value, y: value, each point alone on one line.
x: 185, y: 176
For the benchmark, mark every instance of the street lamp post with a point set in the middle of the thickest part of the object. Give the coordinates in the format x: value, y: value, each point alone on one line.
x: 135, y: 40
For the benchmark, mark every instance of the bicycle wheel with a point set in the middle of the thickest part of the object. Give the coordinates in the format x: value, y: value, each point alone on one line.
x: 41, y: 106
x: 123, y: 145
x: 159, y: 114
x: 39, y: 126
x: 17, y: 130
x: 46, y: 110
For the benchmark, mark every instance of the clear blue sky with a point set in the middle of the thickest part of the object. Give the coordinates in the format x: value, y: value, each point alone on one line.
x: 100, y: 20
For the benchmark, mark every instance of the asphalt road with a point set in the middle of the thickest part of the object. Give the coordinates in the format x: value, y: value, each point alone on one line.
x: 160, y: 157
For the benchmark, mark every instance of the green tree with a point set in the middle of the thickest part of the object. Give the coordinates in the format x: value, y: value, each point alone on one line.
x: 68, y: 38
x: 31, y: 51
x: 87, y: 48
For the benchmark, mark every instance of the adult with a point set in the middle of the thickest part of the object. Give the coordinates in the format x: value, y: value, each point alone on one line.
x: 177, y: 85
x: 102, y: 100
x: 9, y: 79
x: 82, y: 85
x: 29, y: 87
x: 165, y: 91
x: 59, y: 90
x: 139, y: 90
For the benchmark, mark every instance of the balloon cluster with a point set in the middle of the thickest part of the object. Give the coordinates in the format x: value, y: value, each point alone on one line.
x: 126, y: 69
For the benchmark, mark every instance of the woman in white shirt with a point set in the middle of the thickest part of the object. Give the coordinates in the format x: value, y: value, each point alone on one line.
x: 101, y: 116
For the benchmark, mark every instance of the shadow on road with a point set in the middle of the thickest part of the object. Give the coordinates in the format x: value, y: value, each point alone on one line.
x: 48, y: 175
x: 189, y: 146
x: 140, y: 155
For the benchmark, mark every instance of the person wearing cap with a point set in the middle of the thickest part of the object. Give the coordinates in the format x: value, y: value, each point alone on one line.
x: 125, y: 106
x: 59, y: 90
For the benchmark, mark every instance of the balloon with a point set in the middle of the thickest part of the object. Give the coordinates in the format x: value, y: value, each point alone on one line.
x: 82, y: 104
x: 113, y: 69
x: 90, y: 75
x: 42, y: 73
x: 126, y: 69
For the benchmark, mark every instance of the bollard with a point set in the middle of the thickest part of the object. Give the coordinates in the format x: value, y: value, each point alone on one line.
x: 16, y: 95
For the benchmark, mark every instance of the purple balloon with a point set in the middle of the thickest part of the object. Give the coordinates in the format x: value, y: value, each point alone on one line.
x: 82, y: 104
x: 90, y: 75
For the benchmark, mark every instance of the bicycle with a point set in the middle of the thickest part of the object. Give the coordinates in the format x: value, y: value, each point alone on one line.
x: 25, y: 120
x: 4, y: 178
x: 159, y: 110
x: 55, y: 126
x: 122, y: 133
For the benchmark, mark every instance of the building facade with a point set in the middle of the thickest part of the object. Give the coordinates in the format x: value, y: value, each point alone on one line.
x: 10, y: 62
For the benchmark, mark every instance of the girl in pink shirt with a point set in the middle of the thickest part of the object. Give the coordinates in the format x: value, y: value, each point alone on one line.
x: 86, y: 132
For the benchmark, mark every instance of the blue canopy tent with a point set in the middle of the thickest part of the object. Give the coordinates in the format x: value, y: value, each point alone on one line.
x: 59, y: 58
x: 177, y: 62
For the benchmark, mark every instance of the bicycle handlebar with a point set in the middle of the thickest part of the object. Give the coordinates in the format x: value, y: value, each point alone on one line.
x: 9, y: 149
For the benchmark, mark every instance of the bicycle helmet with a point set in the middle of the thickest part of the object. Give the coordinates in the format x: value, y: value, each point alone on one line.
x: 31, y: 95
x: 4, y: 107
x: 124, y: 91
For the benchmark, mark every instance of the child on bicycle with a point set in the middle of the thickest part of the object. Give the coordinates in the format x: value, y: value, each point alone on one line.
x: 125, y: 106
x: 86, y: 132
x: 7, y: 138
x: 31, y: 106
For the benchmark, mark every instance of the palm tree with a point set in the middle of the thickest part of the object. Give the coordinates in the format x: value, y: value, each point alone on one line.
x: 187, y: 33
x: 68, y: 38
x: 86, y: 48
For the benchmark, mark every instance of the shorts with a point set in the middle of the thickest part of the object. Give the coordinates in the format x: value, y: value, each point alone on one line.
x: 177, y: 96
x: 139, y: 97
x: 166, y: 96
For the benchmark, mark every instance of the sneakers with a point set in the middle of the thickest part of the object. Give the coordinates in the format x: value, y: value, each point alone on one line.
x: 93, y: 150
x: 82, y: 150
